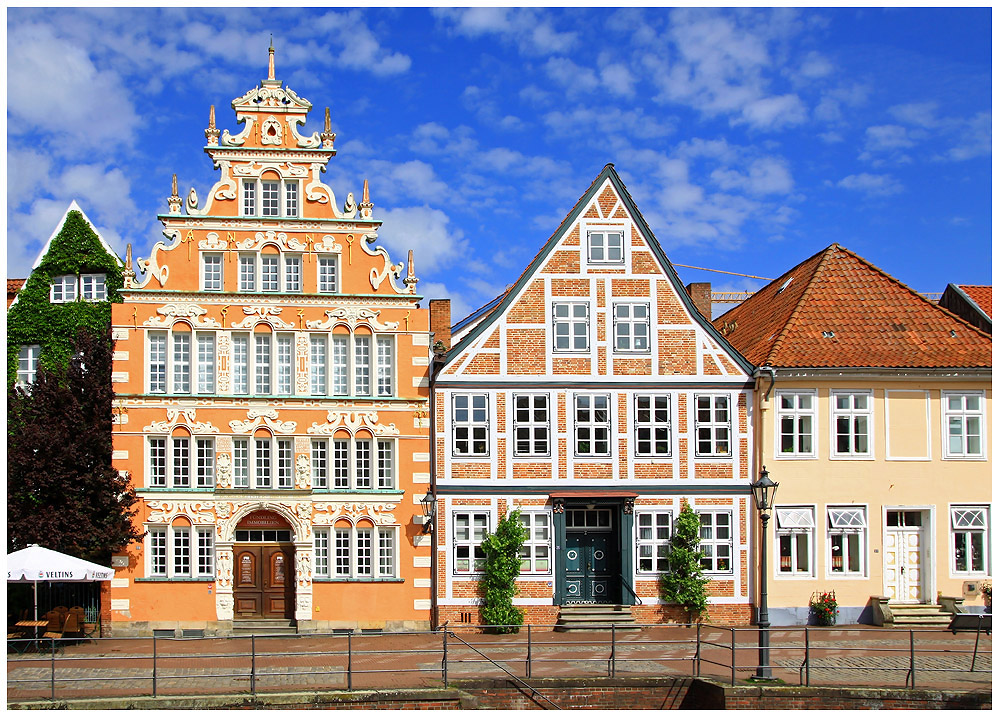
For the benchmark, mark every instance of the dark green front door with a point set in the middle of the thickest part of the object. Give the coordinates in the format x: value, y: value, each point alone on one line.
x: 591, y: 567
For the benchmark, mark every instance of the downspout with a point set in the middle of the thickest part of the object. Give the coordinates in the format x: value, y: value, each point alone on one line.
x: 435, y: 365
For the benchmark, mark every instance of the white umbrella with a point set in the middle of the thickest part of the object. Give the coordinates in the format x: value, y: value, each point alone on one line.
x: 36, y: 563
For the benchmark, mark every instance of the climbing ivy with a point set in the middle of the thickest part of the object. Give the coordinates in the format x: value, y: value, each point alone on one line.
x: 76, y: 249
x: 502, y: 567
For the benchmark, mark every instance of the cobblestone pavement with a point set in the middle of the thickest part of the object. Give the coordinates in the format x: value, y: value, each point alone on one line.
x: 859, y: 656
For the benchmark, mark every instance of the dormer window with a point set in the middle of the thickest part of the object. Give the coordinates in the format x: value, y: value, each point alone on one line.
x: 263, y: 198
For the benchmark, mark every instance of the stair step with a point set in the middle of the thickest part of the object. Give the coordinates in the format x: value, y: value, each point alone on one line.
x: 264, y: 627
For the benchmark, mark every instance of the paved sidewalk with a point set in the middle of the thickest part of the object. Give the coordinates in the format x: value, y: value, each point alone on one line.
x: 849, y: 656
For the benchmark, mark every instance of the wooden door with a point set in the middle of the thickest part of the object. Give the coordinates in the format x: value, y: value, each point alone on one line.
x: 247, y: 593
x: 265, y: 582
x: 903, y: 565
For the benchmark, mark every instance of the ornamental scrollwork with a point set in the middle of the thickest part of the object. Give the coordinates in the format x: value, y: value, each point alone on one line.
x: 228, y: 140
x: 308, y: 143
x: 256, y: 417
x: 380, y: 513
x: 212, y: 241
x: 328, y: 243
x: 302, y: 472
x: 270, y: 132
x: 224, y: 568
x: 224, y: 470
x: 169, y: 313
x: 225, y: 188
x: 266, y: 313
x: 174, y: 418
x: 352, y: 421
x: 279, y: 238
x: 316, y: 191
x: 352, y: 316
x: 164, y: 512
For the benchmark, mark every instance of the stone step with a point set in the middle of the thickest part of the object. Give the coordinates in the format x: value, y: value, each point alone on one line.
x: 595, y: 617
x: 564, y: 627
x: 264, y: 627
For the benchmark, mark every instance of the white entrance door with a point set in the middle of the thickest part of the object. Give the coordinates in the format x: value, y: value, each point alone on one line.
x: 904, y: 580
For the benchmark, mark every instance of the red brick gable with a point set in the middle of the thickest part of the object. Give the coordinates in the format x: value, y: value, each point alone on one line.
x: 836, y: 309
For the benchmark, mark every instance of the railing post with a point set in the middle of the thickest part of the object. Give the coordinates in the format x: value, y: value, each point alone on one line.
x: 154, y: 665
x: 444, y: 661
x: 732, y: 655
x: 52, y: 643
x: 807, y: 655
x: 611, y: 663
x: 697, y: 651
x: 253, y: 666
x: 527, y: 667
x: 975, y: 650
x: 350, y: 659
x: 913, y: 664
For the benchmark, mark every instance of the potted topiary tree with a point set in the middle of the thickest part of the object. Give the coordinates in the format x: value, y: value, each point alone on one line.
x: 683, y: 583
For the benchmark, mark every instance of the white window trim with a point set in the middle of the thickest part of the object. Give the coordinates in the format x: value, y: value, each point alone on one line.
x: 654, y: 541
x: 631, y: 321
x: 203, y: 275
x: 258, y: 272
x: 609, y: 426
x: 472, y: 543
x: 571, y: 320
x: 531, y: 425
x: 352, y: 464
x: 984, y: 437
x: 804, y: 525
x: 259, y: 198
x: 531, y: 543
x: 731, y: 541
x: 796, y: 413
x: 337, y: 274
x: 94, y: 275
x: 471, y: 424
x: 193, y: 365
x: 987, y: 557
x: 713, y: 423
x: 251, y: 365
x: 353, y: 532
x: 863, y: 543
x: 75, y: 283
x: 27, y: 377
x: 253, y: 481
x: 585, y: 232
x: 170, y: 532
x: 834, y: 413
x: 636, y: 425
x: 377, y: 368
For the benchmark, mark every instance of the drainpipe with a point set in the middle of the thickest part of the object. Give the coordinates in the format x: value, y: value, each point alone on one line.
x: 432, y: 372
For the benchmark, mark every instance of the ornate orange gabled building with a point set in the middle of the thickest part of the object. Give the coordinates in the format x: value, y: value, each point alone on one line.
x: 271, y: 369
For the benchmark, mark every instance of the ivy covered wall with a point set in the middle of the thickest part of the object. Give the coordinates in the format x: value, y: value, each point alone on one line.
x: 33, y: 319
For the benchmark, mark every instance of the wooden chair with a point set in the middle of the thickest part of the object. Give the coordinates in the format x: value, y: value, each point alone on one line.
x: 72, y: 625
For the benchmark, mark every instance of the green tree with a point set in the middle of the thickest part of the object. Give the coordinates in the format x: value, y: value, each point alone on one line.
x: 683, y: 582
x: 62, y: 490
x: 502, y: 567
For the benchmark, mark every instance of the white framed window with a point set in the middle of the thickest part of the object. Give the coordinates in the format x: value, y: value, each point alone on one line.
x: 712, y: 425
x: 205, y: 463
x: 339, y: 365
x: 847, y: 540
x: 716, y: 541
x: 795, y: 528
x: 93, y: 287
x: 570, y: 327
x: 181, y: 551
x: 362, y: 365
x: 852, y: 422
x: 531, y: 425
x: 63, y: 289
x: 263, y: 463
x: 605, y: 246
x: 970, y: 540
x: 27, y: 364
x: 333, y: 359
x: 384, y: 365
x: 180, y: 359
x: 248, y: 272
x: 470, y: 425
x: 241, y: 463
x: 293, y: 273
x: 171, y: 465
x: 291, y: 199
x: 181, y: 362
x: 469, y: 528
x: 652, y: 425
x: 263, y: 197
x: 263, y: 363
x: 963, y: 415
x: 206, y: 362
x: 270, y: 272
x: 270, y: 198
x: 536, y: 551
x: 317, y: 365
x: 157, y: 343
x: 249, y: 198
x: 796, y: 419
x: 211, y: 272
x: 592, y: 424
x: 653, y: 540
x: 631, y: 327
x: 373, y: 465
x: 360, y: 552
x: 326, y: 266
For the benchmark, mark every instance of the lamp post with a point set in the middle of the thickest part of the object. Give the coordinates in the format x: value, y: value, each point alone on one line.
x: 429, y: 505
x: 763, y: 496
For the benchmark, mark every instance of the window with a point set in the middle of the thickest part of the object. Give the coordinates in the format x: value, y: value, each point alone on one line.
x: 716, y: 541
x: 172, y: 555
x: 291, y: 199
x: 653, y: 542
x: 157, y: 363
x: 593, y: 424
x: 170, y: 464
x: 795, y: 527
x: 470, y: 529
x: 711, y: 425
x: 632, y: 327
x: 211, y: 272
x: 269, y: 264
x: 605, y: 247
x: 263, y: 462
x: 531, y: 425
x: 270, y: 193
x: 263, y: 362
x: 317, y: 365
x: 333, y: 358
x: 269, y: 198
x: 969, y: 526
x: 383, y: 365
x: 963, y: 417
x: 293, y: 273
x: 206, y: 363
x: 847, y: 529
x: 331, y: 467
x: 796, y: 421
x: 249, y: 198
x: 327, y: 267
x: 27, y: 364
x: 852, y: 413
x: 63, y: 289
x: 179, y: 368
x: 571, y: 327
x: 362, y: 365
x: 92, y: 287
x: 470, y: 425
x: 364, y: 552
x: 652, y: 426
x: 248, y: 273
x: 535, y: 551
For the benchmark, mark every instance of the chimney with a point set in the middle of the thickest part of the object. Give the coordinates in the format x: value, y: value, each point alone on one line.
x: 440, y: 322
x: 701, y: 295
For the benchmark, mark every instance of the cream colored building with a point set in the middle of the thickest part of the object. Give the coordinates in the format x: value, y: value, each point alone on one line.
x: 873, y: 412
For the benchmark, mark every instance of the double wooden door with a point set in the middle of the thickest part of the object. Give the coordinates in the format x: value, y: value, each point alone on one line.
x: 591, y: 567
x: 265, y: 582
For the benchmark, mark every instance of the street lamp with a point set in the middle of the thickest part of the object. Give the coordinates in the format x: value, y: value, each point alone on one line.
x: 429, y: 504
x: 763, y: 496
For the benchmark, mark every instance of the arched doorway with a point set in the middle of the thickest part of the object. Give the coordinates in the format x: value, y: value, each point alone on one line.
x: 264, y: 557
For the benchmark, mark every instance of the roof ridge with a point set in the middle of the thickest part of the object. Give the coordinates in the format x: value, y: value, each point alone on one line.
x: 827, y: 253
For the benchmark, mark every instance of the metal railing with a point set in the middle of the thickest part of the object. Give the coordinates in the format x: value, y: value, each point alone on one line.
x: 843, y: 655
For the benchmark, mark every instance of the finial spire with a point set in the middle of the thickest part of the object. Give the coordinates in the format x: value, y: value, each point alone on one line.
x: 326, y: 126
x: 364, y: 193
x: 173, y: 184
x: 366, y: 203
x: 212, y: 133
x: 128, y: 274
x: 174, y: 200
x: 211, y: 117
x: 411, y: 279
x: 328, y: 135
x: 270, y: 60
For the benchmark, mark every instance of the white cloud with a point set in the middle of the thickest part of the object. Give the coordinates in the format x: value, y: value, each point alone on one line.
x: 527, y: 28
x: 406, y: 180
x: 814, y: 66
x: 460, y: 307
x: 975, y: 138
x: 617, y: 78
x: 887, y: 137
x: 771, y: 113
x: 768, y: 175
x: 426, y: 231
x: 871, y: 184
x: 570, y: 75
x: 606, y: 121
x: 921, y: 114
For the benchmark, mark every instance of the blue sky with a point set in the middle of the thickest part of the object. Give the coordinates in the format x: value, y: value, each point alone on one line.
x: 750, y: 139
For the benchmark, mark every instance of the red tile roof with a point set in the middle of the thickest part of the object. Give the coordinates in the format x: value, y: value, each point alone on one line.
x: 836, y: 309
x: 14, y: 286
x: 983, y: 296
